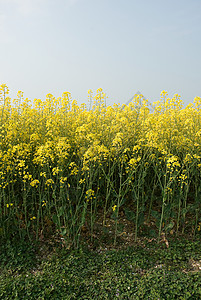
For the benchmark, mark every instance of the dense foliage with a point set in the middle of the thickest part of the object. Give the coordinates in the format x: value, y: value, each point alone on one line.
x: 149, y: 271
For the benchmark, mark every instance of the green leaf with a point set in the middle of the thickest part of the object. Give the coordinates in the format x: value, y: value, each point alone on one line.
x: 169, y: 226
x: 55, y: 219
x: 114, y: 215
x: 61, y: 211
x: 130, y: 215
x: 155, y: 214
x: 63, y: 231
x: 167, y: 211
x: 122, y: 202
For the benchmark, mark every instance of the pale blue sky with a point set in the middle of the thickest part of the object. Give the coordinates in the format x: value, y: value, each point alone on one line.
x: 122, y: 46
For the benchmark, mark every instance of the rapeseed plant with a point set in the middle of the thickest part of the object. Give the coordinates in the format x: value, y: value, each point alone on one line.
x: 62, y: 162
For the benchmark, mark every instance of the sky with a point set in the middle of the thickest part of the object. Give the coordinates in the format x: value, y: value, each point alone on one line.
x: 121, y: 46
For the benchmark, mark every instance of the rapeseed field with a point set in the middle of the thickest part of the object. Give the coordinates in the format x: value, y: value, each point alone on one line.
x: 62, y: 163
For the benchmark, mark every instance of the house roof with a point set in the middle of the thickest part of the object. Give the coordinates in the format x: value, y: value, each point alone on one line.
x: 141, y: 98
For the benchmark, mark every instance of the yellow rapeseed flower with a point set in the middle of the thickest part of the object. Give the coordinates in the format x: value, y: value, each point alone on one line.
x: 114, y: 207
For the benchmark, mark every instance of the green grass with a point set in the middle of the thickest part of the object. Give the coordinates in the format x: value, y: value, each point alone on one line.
x: 150, y: 271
